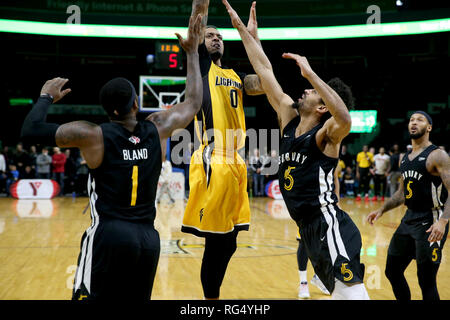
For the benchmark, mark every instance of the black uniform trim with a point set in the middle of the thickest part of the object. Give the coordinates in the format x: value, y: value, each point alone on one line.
x: 198, y: 233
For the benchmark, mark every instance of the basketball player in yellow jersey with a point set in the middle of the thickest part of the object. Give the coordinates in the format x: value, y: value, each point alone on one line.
x: 218, y: 206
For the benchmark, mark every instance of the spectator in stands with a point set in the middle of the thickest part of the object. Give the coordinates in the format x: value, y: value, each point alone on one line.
x: 346, y: 157
x: 349, y: 182
x: 258, y: 178
x: 339, y: 171
x: 70, y: 171
x: 81, y: 176
x: 394, y: 172
x: 58, y: 162
x: 33, y: 156
x: 12, y: 176
x: 270, y: 168
x: 364, y: 162
x: 28, y: 173
x: 7, y: 154
x: 21, y: 158
x: 382, y: 166
x: 43, y: 162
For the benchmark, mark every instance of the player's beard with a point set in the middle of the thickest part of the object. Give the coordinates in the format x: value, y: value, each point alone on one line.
x: 418, y: 134
x: 216, y: 56
x: 297, y: 105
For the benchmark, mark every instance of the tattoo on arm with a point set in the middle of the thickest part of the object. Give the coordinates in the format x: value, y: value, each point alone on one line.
x: 396, y: 200
x: 73, y: 134
x: 446, y: 213
x: 443, y: 167
x: 252, y: 85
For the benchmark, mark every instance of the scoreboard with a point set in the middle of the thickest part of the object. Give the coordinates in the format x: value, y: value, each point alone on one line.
x: 168, y: 56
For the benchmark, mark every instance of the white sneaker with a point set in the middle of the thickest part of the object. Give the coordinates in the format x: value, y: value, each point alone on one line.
x: 316, y: 281
x: 303, y: 290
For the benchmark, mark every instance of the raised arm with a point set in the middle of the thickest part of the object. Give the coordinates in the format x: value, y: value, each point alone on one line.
x: 180, y: 115
x: 80, y: 134
x: 200, y: 7
x: 252, y: 83
x: 280, y: 101
x: 338, y: 126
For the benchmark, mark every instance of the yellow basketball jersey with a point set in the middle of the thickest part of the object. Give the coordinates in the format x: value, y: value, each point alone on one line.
x: 222, y: 114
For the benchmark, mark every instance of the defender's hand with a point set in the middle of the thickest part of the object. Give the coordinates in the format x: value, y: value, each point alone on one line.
x: 235, y: 19
x: 252, y: 25
x: 53, y: 87
x: 301, y: 61
x: 194, y: 35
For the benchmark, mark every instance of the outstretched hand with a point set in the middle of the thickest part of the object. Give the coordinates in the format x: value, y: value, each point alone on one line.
x: 252, y: 25
x: 194, y: 35
x: 53, y: 87
x: 235, y: 19
x: 301, y: 61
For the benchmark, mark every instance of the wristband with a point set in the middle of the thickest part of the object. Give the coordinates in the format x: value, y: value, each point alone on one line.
x: 47, y: 95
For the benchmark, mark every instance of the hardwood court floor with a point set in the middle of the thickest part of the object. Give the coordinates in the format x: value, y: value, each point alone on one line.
x: 39, y: 246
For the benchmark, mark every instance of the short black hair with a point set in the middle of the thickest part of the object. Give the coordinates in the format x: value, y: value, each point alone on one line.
x: 118, y: 95
x: 211, y: 26
x: 344, y: 91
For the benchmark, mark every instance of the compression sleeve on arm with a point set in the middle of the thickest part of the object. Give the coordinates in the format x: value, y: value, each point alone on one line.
x: 35, y: 128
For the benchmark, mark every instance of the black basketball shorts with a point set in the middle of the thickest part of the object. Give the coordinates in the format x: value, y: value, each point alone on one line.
x: 333, y: 245
x: 117, y: 261
x: 410, y: 240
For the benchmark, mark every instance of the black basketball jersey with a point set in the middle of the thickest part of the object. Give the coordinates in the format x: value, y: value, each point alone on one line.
x: 305, y: 174
x: 423, y: 191
x: 124, y: 186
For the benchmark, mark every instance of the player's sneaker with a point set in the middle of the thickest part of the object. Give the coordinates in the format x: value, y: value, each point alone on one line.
x: 358, y: 198
x: 316, y: 281
x: 374, y: 198
x: 303, y: 290
x: 382, y: 198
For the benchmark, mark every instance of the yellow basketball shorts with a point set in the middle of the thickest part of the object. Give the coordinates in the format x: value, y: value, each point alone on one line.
x: 218, y: 200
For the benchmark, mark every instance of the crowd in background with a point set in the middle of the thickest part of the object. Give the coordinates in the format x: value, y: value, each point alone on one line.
x: 67, y: 167
x: 371, y: 174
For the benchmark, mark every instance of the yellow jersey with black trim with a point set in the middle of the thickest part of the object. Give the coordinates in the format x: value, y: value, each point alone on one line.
x: 221, y: 119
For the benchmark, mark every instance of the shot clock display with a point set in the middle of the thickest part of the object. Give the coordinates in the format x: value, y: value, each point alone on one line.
x: 168, y: 56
